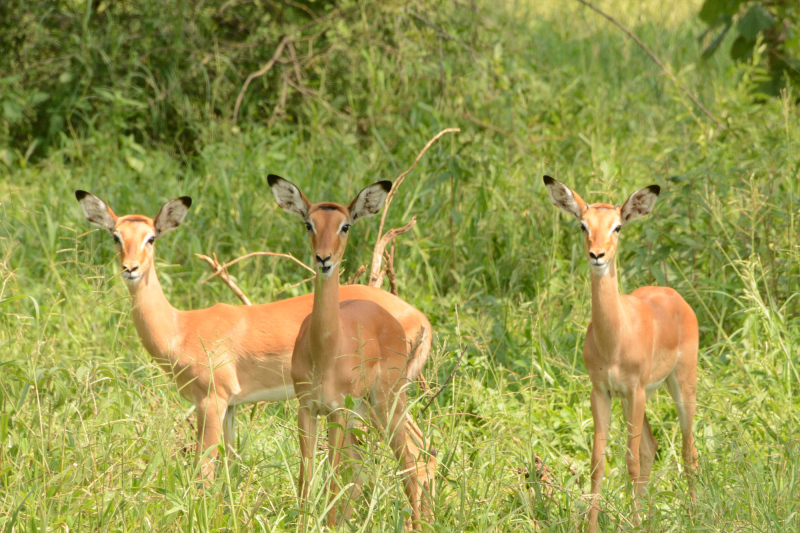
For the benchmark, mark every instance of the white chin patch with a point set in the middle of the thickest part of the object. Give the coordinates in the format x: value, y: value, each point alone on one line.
x: 131, y: 278
x: 601, y: 269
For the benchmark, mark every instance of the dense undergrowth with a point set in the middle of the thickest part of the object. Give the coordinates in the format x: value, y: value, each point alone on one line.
x: 93, y: 436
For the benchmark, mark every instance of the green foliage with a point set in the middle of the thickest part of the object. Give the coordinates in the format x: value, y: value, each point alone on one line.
x: 93, y: 435
x: 769, y: 29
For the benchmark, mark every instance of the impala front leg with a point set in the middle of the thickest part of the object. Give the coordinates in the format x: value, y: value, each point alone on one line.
x: 601, y: 414
x: 635, y: 418
x: 335, y: 443
x: 307, y: 430
x: 210, y: 413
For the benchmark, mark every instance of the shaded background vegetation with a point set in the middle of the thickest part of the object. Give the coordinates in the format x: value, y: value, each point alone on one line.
x: 134, y: 101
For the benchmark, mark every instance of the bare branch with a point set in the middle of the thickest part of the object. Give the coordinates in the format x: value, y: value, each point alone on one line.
x: 219, y: 270
x: 360, y: 272
x: 251, y: 254
x: 402, y: 177
x: 253, y: 75
x: 390, y: 270
x: 658, y: 62
x: 375, y: 272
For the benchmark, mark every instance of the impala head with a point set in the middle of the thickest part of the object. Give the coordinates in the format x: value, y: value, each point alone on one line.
x: 134, y: 235
x: 601, y: 223
x: 327, y: 223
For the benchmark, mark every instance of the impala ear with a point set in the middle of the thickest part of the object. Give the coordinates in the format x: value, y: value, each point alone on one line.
x: 171, y: 215
x: 288, y: 196
x: 564, y: 198
x: 96, y: 211
x: 370, y: 200
x: 640, y: 203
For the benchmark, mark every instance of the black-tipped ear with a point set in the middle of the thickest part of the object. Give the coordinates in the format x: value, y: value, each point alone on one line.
x: 96, y: 211
x: 564, y: 198
x: 370, y: 200
x: 640, y: 203
x: 171, y: 215
x: 288, y: 196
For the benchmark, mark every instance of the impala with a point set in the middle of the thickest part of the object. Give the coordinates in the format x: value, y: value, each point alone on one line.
x: 351, y: 351
x: 225, y: 355
x: 634, y: 343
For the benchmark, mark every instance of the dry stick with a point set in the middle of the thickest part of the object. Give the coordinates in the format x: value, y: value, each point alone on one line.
x: 256, y: 74
x: 360, y: 272
x: 375, y: 274
x: 453, y: 372
x: 273, y: 254
x: 649, y: 52
x: 218, y: 269
x: 390, y: 270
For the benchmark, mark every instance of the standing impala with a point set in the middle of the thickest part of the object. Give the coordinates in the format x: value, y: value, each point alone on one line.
x: 224, y: 355
x: 351, y: 349
x: 634, y: 342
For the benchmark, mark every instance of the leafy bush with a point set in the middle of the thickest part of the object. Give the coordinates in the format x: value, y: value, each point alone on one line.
x: 772, y: 24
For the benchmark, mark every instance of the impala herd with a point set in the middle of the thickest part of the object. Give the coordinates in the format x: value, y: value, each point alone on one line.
x: 350, y: 352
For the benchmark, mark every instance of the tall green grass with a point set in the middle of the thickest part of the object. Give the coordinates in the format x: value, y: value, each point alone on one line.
x: 93, y: 436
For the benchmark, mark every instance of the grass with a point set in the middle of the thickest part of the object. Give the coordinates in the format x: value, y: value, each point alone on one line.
x: 93, y: 436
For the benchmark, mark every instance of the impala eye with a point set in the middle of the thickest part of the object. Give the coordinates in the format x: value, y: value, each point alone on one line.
x: 151, y: 240
x: 584, y: 228
x: 116, y: 238
x: 309, y: 227
x: 345, y: 228
x: 618, y: 228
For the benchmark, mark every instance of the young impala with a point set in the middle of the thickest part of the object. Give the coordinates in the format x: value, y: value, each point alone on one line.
x: 352, y: 349
x: 634, y: 342
x: 224, y: 355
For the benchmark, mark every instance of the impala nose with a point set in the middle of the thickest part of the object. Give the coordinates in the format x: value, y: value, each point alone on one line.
x: 130, y: 270
x: 596, y: 256
x: 322, y: 261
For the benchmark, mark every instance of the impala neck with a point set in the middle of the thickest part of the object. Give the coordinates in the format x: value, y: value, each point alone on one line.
x: 325, y: 326
x: 607, y: 318
x: 155, y: 319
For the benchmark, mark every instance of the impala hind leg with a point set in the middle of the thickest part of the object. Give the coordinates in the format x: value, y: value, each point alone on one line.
x: 682, y: 386
x: 647, y: 450
x: 425, y: 467
x: 229, y: 429
x: 601, y: 414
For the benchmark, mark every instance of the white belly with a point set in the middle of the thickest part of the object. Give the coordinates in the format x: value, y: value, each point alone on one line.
x: 276, y: 394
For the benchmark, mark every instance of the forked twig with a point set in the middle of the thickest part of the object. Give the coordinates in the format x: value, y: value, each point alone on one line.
x: 251, y: 254
x: 222, y: 271
x: 219, y: 270
x: 658, y: 62
x: 253, y: 75
x: 376, y: 272
x: 402, y: 177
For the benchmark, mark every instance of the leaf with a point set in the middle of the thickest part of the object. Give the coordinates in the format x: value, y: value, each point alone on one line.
x: 756, y: 20
x: 134, y: 163
x: 741, y: 49
x: 713, y: 10
x: 714, y: 44
x: 12, y: 112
